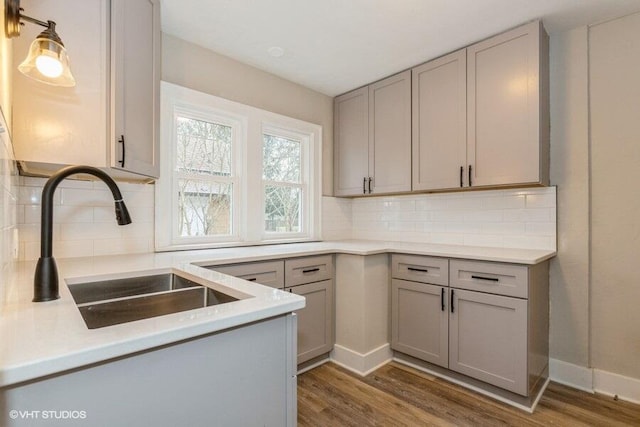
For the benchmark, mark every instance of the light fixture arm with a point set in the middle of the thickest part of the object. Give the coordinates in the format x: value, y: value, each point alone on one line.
x: 13, y: 18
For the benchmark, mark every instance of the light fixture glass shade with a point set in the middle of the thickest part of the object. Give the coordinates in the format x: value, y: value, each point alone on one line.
x: 47, y: 62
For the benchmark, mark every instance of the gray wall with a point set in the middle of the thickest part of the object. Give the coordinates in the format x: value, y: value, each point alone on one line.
x: 595, y: 139
x: 191, y: 66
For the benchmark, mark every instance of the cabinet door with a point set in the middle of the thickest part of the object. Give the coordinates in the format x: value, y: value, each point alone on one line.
x: 390, y: 134
x: 504, y: 138
x: 135, y: 104
x: 488, y: 338
x: 351, y: 142
x: 315, y: 320
x: 439, y: 97
x: 419, y: 321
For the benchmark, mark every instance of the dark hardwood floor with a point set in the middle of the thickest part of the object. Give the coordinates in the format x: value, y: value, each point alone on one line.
x: 396, y: 395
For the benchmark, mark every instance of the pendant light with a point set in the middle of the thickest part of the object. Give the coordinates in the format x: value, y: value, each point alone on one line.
x: 47, y: 60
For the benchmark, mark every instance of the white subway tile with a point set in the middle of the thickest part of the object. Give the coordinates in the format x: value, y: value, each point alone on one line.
x: 121, y: 246
x: 88, y: 231
x: 528, y: 215
x: 488, y: 240
x: 530, y: 242
x: 86, y: 197
x: 547, y: 200
x: 504, y: 202
x: 480, y: 216
x: 447, y: 238
x: 447, y: 216
x: 72, y: 248
x: 401, y: 226
x: 541, y: 228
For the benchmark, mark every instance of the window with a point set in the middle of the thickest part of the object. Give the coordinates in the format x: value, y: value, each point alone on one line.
x: 284, y: 183
x: 204, y: 177
x: 233, y: 174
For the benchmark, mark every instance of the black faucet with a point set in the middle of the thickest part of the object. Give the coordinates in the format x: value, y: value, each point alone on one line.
x: 45, y: 283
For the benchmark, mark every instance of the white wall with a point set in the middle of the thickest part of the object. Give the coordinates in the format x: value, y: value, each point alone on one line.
x: 595, y: 134
x: 614, y: 58
x: 192, y: 66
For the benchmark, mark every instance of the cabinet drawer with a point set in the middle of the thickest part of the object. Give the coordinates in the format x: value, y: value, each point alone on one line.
x: 308, y: 269
x: 494, y: 278
x: 422, y: 269
x: 268, y: 273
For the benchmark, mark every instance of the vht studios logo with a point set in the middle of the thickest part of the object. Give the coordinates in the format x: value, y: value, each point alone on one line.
x: 47, y: 415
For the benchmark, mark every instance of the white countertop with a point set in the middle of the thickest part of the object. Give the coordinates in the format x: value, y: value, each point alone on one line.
x: 40, y: 339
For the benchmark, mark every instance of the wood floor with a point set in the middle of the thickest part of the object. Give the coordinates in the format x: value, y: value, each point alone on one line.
x: 396, y: 395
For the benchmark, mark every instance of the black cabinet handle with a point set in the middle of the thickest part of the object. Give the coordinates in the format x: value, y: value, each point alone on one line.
x: 121, y: 141
x: 253, y: 279
x: 364, y: 185
x: 461, y: 173
x: 422, y: 270
x: 491, y: 279
x: 469, y: 175
x: 369, y: 185
x: 452, y: 309
x: 442, y: 298
x: 311, y: 270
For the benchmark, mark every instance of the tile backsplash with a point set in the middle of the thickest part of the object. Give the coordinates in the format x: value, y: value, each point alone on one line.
x: 514, y: 218
x: 8, y: 196
x: 84, y: 219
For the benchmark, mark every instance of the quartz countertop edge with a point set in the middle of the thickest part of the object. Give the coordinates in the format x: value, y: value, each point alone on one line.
x: 41, y: 339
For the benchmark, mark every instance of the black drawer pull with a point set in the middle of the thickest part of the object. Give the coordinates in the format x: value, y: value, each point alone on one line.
x: 469, y: 175
x: 311, y: 270
x: 364, y: 185
x: 369, y: 185
x: 452, y: 309
x: 253, y: 279
x: 442, y: 298
x: 490, y: 279
x: 461, y: 172
x: 422, y: 270
x: 121, y: 141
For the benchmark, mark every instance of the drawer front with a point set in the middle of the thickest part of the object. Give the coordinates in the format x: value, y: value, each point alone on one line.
x: 268, y: 273
x: 421, y: 269
x: 494, y: 278
x: 308, y: 269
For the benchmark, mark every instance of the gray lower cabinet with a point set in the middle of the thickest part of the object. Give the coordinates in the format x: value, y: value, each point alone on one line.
x: 486, y: 320
x: 488, y: 338
x: 311, y: 277
x: 315, y: 320
x: 420, y: 321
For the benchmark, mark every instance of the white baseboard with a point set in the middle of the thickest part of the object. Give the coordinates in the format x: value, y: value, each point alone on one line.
x: 571, y: 375
x: 361, y: 364
x: 626, y: 388
x: 595, y: 380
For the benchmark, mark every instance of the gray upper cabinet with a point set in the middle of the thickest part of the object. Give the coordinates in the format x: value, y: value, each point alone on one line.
x: 115, y: 58
x: 372, y: 138
x: 390, y: 134
x: 439, y: 108
x: 351, y: 142
x: 135, y: 54
x: 508, y: 108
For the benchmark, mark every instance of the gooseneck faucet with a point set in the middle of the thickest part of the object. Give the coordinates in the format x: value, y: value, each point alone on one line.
x: 45, y: 283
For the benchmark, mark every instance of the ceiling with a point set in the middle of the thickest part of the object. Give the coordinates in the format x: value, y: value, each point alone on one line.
x: 333, y: 46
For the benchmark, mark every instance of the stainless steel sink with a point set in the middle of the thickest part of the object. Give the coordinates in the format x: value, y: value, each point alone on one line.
x: 111, y: 302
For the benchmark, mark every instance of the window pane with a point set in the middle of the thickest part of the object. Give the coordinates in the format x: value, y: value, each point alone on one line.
x: 204, y: 208
x: 203, y: 147
x: 282, y: 209
x: 281, y: 159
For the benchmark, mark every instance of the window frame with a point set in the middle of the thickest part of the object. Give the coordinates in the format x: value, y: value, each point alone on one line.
x: 248, y: 191
x: 305, y: 168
